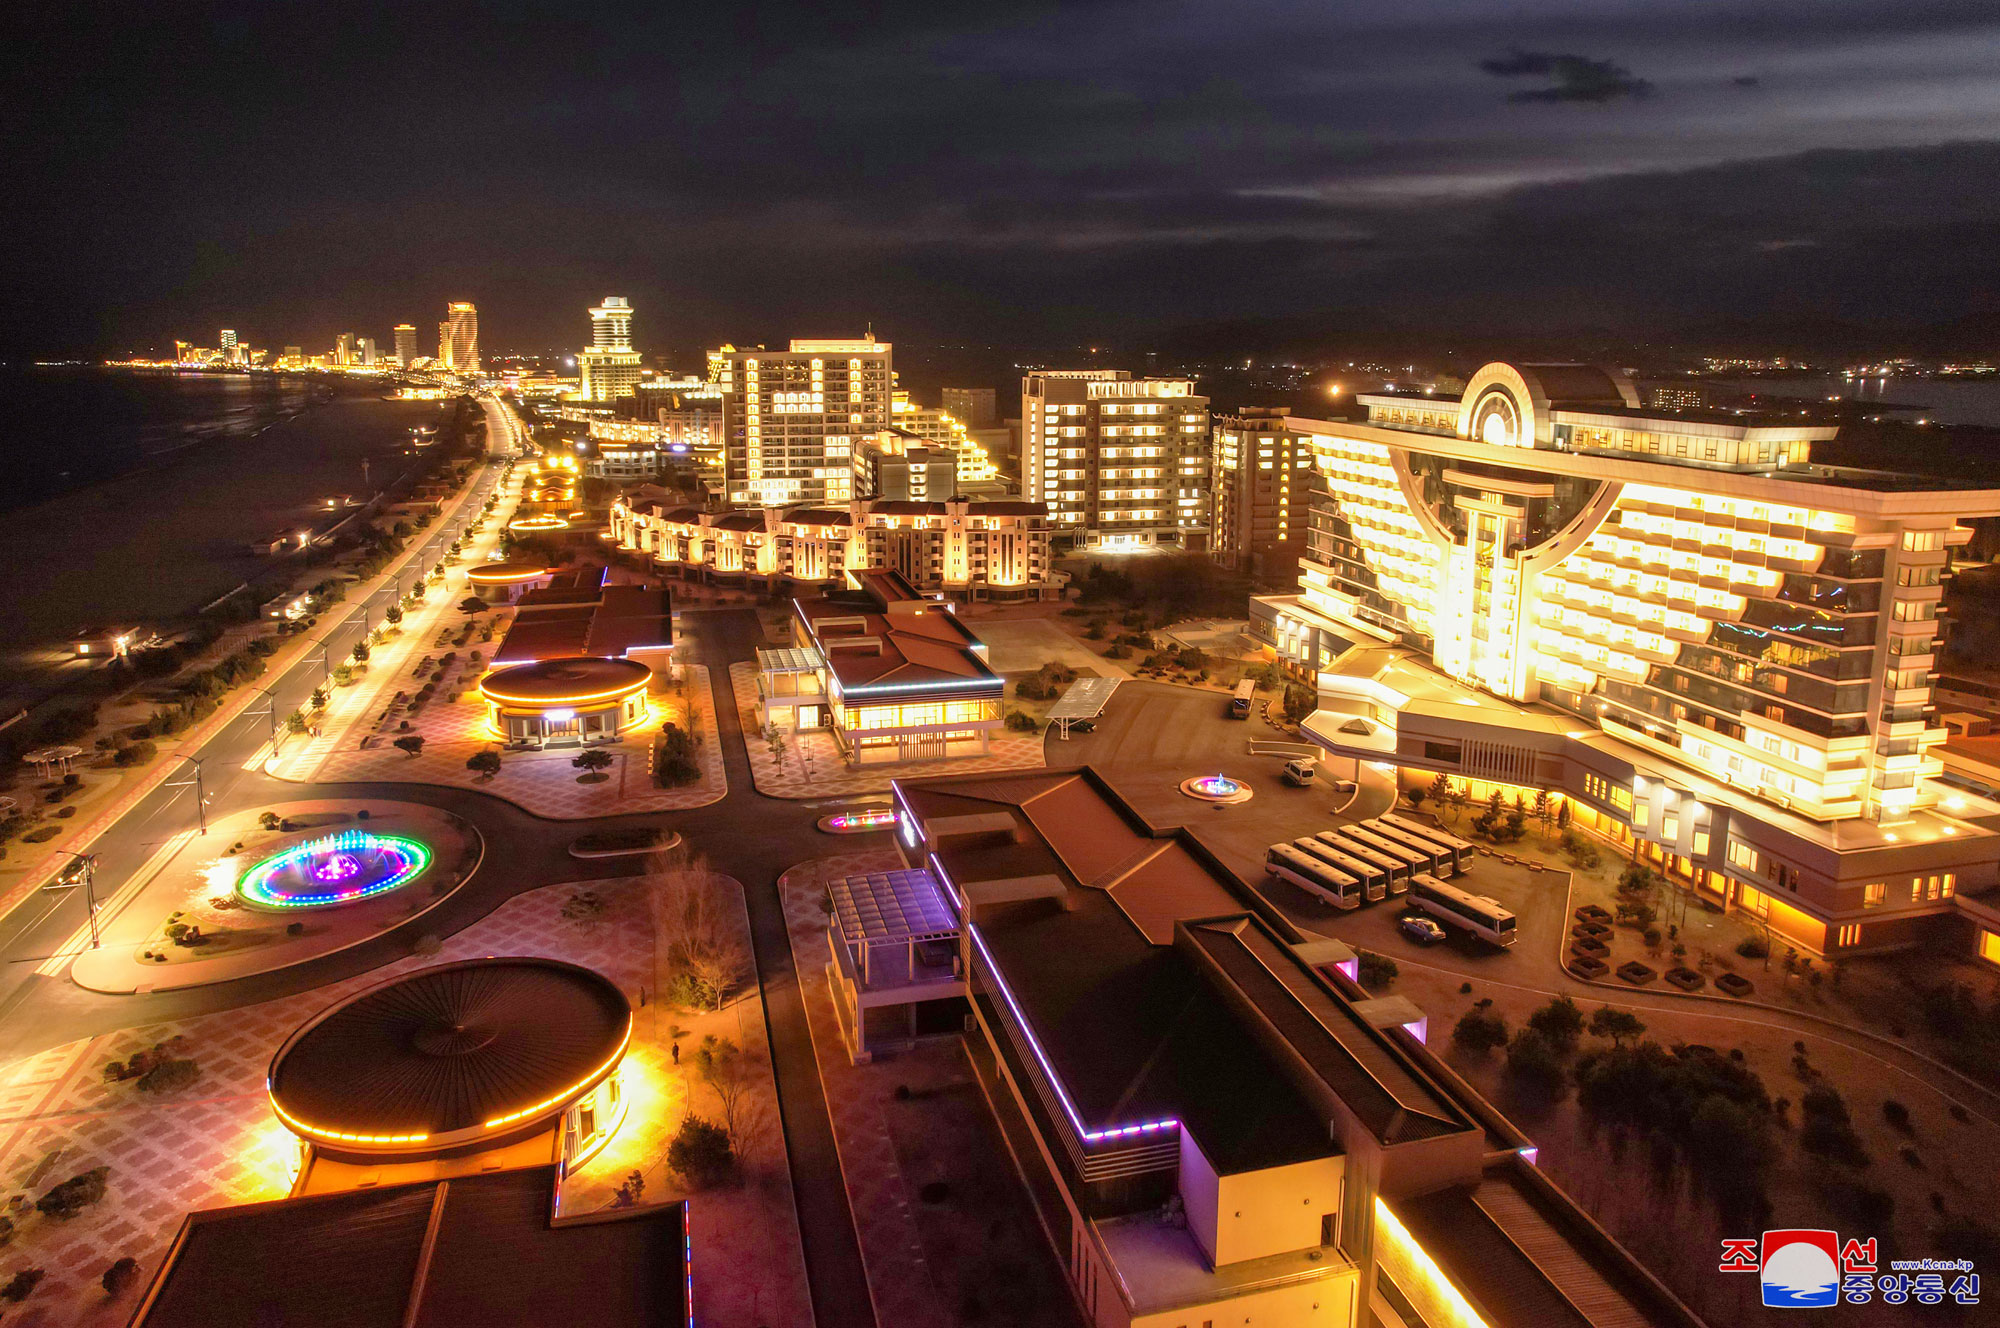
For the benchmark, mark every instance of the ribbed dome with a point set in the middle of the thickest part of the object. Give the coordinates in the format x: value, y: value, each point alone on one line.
x: 487, y: 1044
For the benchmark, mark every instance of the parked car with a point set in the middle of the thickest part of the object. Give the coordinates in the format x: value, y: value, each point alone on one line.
x: 1421, y: 930
x: 1300, y: 771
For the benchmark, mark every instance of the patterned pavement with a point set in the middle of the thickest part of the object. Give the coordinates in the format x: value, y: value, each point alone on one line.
x: 216, y: 1142
x: 830, y: 776
x: 900, y: 1281
x: 544, y: 783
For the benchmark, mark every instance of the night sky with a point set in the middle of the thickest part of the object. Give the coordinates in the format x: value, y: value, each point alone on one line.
x: 1026, y: 172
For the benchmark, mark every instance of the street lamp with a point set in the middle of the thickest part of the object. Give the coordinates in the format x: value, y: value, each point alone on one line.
x: 200, y: 797
x: 83, y: 871
x: 273, y: 712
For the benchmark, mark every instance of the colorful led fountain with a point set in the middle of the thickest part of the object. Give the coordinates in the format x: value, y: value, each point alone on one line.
x: 1216, y: 788
x: 859, y: 822
x: 334, y: 869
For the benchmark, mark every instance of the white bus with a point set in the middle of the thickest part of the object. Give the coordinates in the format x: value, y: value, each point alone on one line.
x: 1373, y: 880
x: 1461, y: 851
x: 1239, y: 704
x: 1477, y: 914
x: 1394, y: 869
x: 1314, y: 877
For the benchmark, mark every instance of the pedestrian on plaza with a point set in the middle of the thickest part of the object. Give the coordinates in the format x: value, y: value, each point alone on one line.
x: 677, y: 1053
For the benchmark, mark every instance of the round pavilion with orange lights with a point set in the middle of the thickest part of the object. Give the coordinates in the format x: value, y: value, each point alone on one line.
x: 505, y: 580
x: 571, y: 699
x: 457, y: 1059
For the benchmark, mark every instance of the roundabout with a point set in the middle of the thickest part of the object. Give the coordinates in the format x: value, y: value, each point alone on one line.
x: 333, y: 870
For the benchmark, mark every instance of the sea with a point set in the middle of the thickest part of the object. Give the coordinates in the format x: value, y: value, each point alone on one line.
x: 1946, y: 400
x: 135, y: 495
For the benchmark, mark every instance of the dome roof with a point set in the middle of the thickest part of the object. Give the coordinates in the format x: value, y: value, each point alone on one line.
x: 566, y: 679
x: 500, y: 574
x: 450, y: 1056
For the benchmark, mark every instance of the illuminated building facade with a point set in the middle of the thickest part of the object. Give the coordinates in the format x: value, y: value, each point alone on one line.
x: 962, y: 548
x: 899, y: 465
x: 974, y: 407
x: 1216, y: 1124
x: 892, y: 676
x: 609, y: 368
x: 406, y: 344
x: 458, y: 338
x: 1121, y: 462
x: 1717, y: 649
x: 677, y: 419
x: 797, y: 416
x: 975, y: 471
x: 578, y: 658
x: 1263, y: 476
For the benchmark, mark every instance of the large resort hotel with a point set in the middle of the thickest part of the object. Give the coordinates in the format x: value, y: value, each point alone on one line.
x: 1216, y: 1124
x: 1718, y: 652
x: 578, y: 659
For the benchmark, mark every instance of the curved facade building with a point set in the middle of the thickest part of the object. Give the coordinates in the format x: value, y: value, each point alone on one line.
x: 571, y: 698
x: 1719, y: 648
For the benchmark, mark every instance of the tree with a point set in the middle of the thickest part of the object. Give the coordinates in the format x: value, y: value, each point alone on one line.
x: 1560, y: 1022
x: 393, y: 614
x: 361, y: 652
x: 1480, y: 1030
x: 485, y: 764
x: 1376, y: 970
x: 413, y: 743
x: 700, y: 1153
x: 472, y: 604
x: 1606, y: 1022
x: 591, y: 761
x: 318, y: 698
x: 74, y: 1195
x: 120, y: 1276
x: 721, y: 1064
x: 295, y: 722
x: 1300, y: 701
x: 702, y: 939
x: 1535, y: 1064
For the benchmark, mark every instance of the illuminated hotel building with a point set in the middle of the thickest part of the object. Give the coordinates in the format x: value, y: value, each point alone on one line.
x: 1720, y: 652
x: 458, y: 338
x: 963, y: 548
x: 892, y: 676
x: 797, y: 416
x: 1121, y: 462
x: 406, y: 344
x: 1215, y: 1123
x: 1263, y: 476
x: 609, y: 368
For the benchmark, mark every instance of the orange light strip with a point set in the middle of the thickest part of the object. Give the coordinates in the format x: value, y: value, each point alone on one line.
x: 298, y: 1126
x: 491, y: 695
x: 574, y: 1089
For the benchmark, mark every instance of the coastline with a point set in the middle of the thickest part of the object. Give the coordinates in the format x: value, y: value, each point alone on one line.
x: 156, y: 543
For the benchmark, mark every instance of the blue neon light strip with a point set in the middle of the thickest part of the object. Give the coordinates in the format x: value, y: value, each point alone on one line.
x: 1084, y: 1132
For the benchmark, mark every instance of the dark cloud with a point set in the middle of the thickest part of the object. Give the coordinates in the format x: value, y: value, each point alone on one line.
x: 1577, y: 77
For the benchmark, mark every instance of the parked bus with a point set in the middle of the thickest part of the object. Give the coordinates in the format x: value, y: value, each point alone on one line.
x: 1433, y: 858
x: 1313, y: 876
x: 1477, y: 914
x: 1395, y: 871
x: 1239, y: 703
x: 1374, y: 881
x: 1416, y: 860
x: 1462, y: 851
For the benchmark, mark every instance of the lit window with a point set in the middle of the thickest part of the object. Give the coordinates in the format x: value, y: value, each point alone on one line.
x: 1874, y: 893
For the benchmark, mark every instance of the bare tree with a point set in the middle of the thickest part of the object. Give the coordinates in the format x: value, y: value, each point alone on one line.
x: 721, y: 1064
x: 695, y: 925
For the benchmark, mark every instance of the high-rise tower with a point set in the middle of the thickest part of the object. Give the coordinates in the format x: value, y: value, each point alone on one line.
x: 609, y: 368
x: 460, y: 340
x: 406, y: 344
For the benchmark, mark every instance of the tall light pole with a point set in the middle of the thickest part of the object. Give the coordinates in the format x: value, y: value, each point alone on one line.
x: 272, y: 697
x: 84, y: 873
x: 200, y: 796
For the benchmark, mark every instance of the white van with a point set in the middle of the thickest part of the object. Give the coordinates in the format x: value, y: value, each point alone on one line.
x: 1300, y: 771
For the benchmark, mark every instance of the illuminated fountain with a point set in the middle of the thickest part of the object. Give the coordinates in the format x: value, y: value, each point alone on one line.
x: 1216, y: 788
x: 334, y: 869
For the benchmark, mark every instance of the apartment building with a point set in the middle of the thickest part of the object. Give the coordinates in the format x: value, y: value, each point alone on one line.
x: 1263, y: 474
x: 608, y: 368
x: 975, y: 471
x: 1718, y: 651
x: 1121, y: 462
x: 1215, y: 1123
x: 961, y: 548
x: 795, y: 417
x: 900, y: 465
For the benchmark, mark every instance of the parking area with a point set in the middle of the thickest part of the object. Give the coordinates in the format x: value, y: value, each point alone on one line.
x: 1152, y: 736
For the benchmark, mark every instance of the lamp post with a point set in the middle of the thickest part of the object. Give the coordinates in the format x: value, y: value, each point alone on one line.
x: 272, y: 697
x: 83, y: 873
x: 200, y: 795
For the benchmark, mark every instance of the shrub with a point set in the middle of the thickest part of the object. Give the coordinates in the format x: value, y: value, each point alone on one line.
x: 1376, y: 970
x: 1897, y: 1115
x: 1826, y: 1129
x: 412, y: 743
x: 139, y: 753
x: 295, y: 929
x: 20, y: 1286
x: 592, y: 760
x: 1535, y: 1064
x: 1753, y: 947
x: 1560, y: 1022
x: 1617, y: 1025
x: 169, y: 1076
x: 1480, y: 1031
x: 484, y: 764
x: 700, y: 1153
x: 1022, y: 722
x: 74, y: 1195
x: 1579, y: 849
x: 1869, y: 1207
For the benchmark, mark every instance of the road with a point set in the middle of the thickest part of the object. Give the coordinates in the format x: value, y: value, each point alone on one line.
x: 763, y: 837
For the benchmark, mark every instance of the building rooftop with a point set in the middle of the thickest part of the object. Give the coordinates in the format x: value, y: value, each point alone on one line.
x: 1164, y: 1267
x: 895, y: 905
x: 884, y: 635
x: 576, y: 614
x: 474, y: 1249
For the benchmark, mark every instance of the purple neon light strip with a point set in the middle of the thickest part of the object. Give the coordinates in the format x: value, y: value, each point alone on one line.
x: 1087, y: 1134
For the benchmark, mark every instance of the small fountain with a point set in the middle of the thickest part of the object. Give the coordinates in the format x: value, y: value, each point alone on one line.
x: 1216, y: 788
x: 334, y: 869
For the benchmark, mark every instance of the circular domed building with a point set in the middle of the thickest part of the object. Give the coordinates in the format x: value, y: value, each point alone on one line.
x: 572, y: 698
x: 505, y: 581
x: 457, y: 1059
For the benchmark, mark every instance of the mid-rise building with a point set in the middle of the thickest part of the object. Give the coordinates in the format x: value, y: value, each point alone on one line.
x: 406, y: 344
x: 1121, y: 462
x: 897, y: 464
x: 1718, y: 652
x: 294, y: 357
x: 796, y: 417
x: 365, y: 354
x: 891, y: 675
x: 1263, y: 474
x: 962, y: 548
x: 228, y: 343
x: 609, y: 368
x: 974, y: 407
x: 1216, y: 1124
x: 343, y: 349
x: 974, y: 469
x: 458, y: 338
